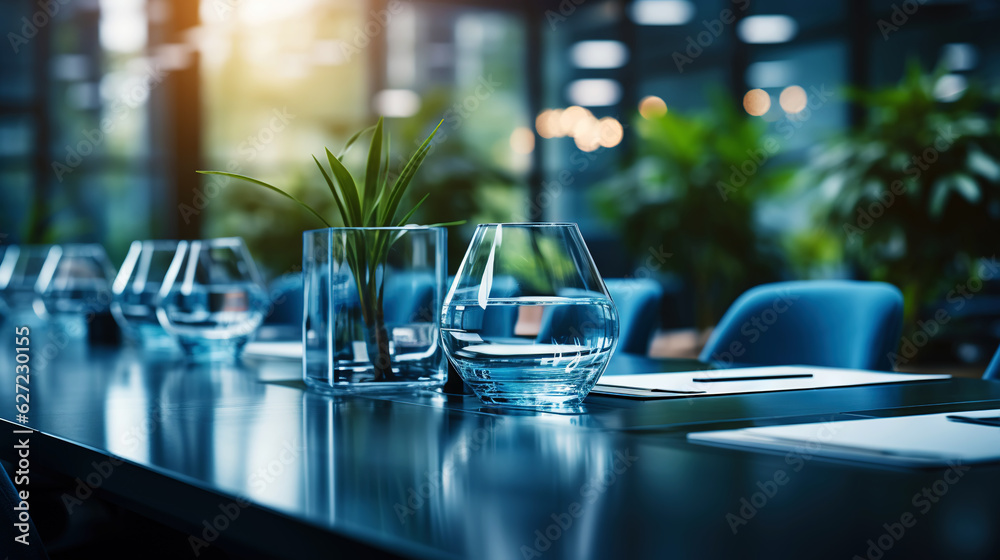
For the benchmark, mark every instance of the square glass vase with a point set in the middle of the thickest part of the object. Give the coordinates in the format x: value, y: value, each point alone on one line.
x: 372, y: 304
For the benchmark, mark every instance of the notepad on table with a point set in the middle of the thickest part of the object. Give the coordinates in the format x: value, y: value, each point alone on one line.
x: 926, y: 440
x: 283, y: 349
x: 738, y: 381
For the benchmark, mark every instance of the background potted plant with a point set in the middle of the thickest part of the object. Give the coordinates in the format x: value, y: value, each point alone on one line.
x: 914, y: 191
x: 677, y: 190
x: 352, y: 273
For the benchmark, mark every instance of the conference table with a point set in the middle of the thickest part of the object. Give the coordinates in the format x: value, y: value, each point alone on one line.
x: 243, y: 459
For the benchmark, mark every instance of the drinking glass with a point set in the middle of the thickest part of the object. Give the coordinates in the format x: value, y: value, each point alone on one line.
x: 212, y: 299
x: 135, y: 291
x: 565, y: 325
x: 19, y: 272
x: 75, y: 283
x: 371, y: 324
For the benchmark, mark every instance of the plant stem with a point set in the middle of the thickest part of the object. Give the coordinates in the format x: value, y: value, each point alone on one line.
x: 371, y: 295
x: 382, y: 362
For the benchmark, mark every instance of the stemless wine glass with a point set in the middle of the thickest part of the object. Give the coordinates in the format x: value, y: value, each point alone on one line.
x: 19, y: 272
x: 564, y: 327
x: 136, y: 289
x: 211, y: 299
x: 75, y: 281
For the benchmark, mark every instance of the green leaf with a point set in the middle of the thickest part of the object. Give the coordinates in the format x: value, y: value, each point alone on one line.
x: 983, y: 165
x: 939, y: 196
x: 402, y: 182
x: 966, y: 186
x: 373, y: 211
x: 351, y: 141
x: 412, y: 210
x: 384, y: 174
x: 385, y: 217
x: 374, y: 166
x: 333, y: 189
x: 348, y: 189
x: 267, y: 186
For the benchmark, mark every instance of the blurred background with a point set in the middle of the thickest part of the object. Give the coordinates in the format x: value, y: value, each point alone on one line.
x: 709, y: 144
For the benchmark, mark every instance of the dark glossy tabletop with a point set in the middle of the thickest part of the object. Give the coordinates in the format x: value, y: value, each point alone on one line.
x: 436, y: 475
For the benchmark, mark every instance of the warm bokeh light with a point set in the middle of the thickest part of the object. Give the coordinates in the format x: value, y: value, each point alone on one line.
x: 585, y: 134
x: 583, y: 127
x: 587, y: 142
x: 793, y: 99
x: 522, y: 140
x: 610, y: 132
x: 547, y: 123
x: 652, y: 107
x: 570, y: 118
x: 756, y: 102
x: 578, y: 123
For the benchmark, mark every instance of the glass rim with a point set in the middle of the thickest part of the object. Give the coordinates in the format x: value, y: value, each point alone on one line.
x: 529, y: 224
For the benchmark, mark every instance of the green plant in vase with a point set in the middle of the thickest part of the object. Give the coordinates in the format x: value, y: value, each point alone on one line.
x: 676, y: 192
x: 375, y: 204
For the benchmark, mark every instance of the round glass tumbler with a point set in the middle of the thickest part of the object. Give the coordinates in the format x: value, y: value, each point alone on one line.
x: 136, y: 289
x: 528, y: 320
x: 75, y: 284
x: 19, y: 271
x: 211, y: 299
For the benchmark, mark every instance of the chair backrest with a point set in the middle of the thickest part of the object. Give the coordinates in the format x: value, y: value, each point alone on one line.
x: 285, y: 293
x: 11, y: 520
x: 835, y: 323
x: 638, y: 303
x: 407, y: 298
x: 501, y: 320
x: 993, y: 370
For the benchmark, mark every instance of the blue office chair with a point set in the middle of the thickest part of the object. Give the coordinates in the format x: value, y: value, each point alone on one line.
x: 285, y: 293
x: 993, y: 370
x: 835, y: 323
x: 9, y: 518
x: 638, y: 304
x: 500, y: 321
x: 407, y: 298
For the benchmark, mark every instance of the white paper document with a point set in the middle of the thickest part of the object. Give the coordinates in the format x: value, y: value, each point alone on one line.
x: 926, y: 440
x: 737, y: 381
x: 288, y: 350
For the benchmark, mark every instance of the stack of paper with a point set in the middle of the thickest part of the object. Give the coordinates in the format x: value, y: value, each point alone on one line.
x: 737, y: 381
x: 927, y: 440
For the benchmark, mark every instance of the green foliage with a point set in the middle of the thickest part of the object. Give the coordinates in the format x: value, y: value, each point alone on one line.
x: 915, y: 191
x: 816, y: 251
x: 477, y: 185
x: 371, y: 204
x: 693, y: 187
